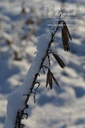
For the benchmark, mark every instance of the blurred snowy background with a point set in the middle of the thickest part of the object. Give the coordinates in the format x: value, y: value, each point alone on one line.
x: 21, y: 23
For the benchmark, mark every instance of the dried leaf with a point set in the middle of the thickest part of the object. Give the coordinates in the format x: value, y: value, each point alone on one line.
x: 47, y: 79
x: 50, y: 80
x: 55, y: 80
x: 9, y: 41
x: 23, y: 10
x: 65, y: 40
x: 29, y: 21
x: 24, y: 37
x: 60, y: 62
x: 67, y: 31
x: 16, y: 56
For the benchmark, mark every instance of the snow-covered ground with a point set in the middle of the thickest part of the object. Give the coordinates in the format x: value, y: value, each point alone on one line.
x: 61, y: 107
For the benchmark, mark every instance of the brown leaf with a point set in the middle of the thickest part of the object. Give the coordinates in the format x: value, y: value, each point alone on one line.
x: 60, y: 62
x: 9, y: 41
x: 24, y: 37
x: 16, y: 54
x: 67, y: 31
x: 65, y: 40
x: 29, y: 21
x: 47, y: 79
x: 55, y: 80
x: 50, y: 80
x: 23, y: 10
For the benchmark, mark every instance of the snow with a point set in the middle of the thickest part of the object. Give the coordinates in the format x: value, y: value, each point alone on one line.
x: 62, y: 107
x: 27, y: 83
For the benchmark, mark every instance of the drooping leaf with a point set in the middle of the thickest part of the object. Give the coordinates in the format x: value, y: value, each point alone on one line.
x: 67, y: 31
x: 55, y: 81
x: 50, y: 80
x: 58, y: 59
x: 29, y: 21
x: 47, y: 79
x: 53, y: 78
x: 65, y: 40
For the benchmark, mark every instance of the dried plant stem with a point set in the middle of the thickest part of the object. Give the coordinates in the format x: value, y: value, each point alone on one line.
x: 20, y: 113
x: 50, y: 77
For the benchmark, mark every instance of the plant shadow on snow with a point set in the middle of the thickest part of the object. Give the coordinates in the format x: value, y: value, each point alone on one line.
x: 79, y: 91
x: 2, y: 118
x: 50, y: 123
x: 78, y: 49
x: 5, y: 75
x: 80, y: 121
x: 78, y: 68
x: 57, y: 101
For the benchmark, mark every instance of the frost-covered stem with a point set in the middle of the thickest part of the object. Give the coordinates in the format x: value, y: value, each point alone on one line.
x: 18, y: 120
x: 36, y: 75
